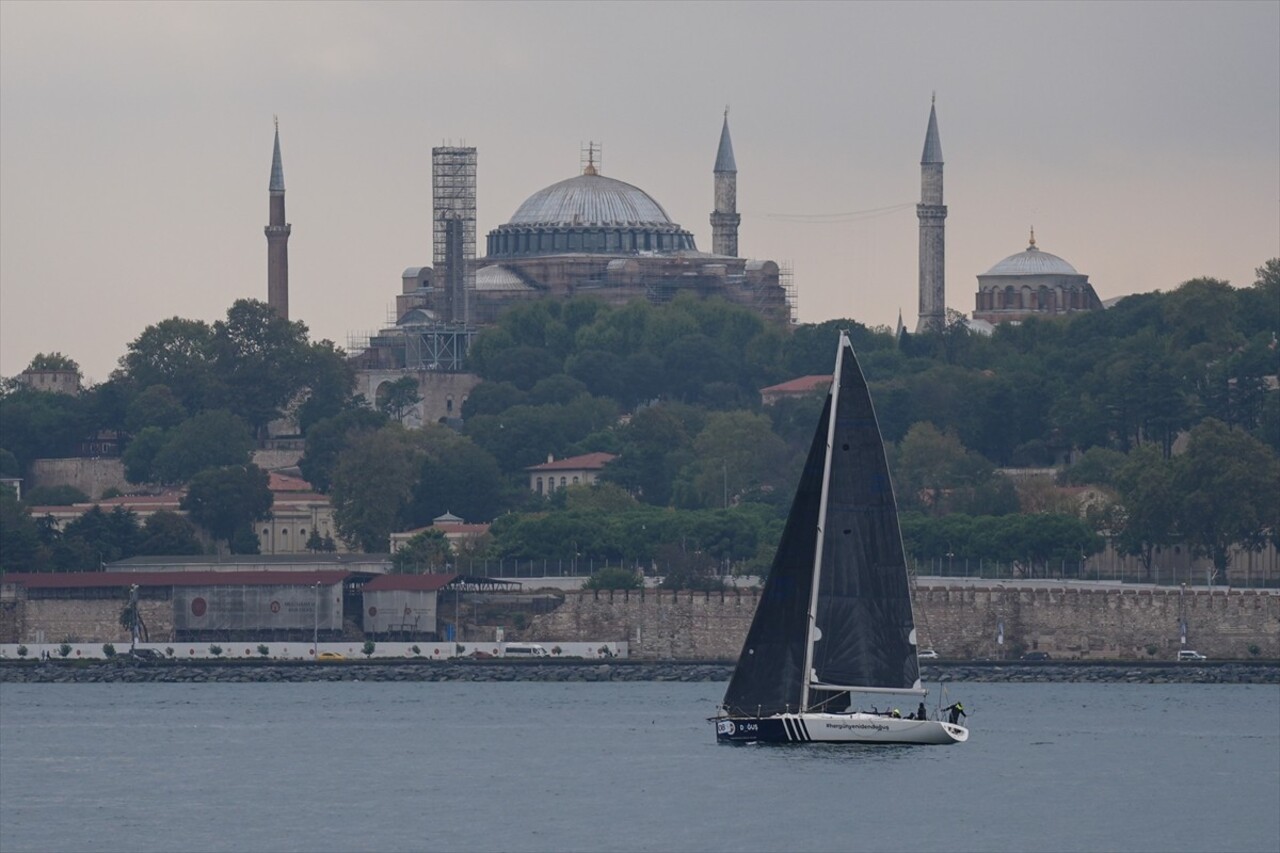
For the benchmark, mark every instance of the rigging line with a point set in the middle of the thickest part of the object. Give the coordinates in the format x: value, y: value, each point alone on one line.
x: 834, y: 218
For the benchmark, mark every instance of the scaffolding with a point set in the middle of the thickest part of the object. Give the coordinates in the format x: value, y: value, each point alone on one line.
x: 787, y: 281
x: 453, y: 224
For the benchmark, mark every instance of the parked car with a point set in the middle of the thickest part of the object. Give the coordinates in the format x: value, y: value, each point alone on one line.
x: 1036, y: 656
x: 144, y: 654
x: 928, y: 654
x: 330, y: 656
x: 1190, y: 654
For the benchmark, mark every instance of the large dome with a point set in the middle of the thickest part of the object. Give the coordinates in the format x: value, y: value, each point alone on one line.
x: 1032, y: 262
x: 590, y: 200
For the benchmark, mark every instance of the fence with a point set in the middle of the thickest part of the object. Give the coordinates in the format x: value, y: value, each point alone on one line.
x: 1244, y: 571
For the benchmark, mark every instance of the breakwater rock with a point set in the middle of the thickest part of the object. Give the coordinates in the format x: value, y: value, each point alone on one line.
x: 374, y: 670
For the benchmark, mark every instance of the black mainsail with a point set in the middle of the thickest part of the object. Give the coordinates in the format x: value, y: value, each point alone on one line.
x: 863, y: 634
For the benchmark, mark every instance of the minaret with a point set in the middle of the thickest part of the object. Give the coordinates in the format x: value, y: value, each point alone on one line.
x: 277, y: 238
x: 932, y: 214
x: 725, y: 218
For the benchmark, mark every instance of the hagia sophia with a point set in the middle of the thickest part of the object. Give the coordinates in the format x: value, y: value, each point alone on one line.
x: 592, y: 234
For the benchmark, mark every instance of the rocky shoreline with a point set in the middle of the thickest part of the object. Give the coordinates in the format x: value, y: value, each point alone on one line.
x: 62, y: 672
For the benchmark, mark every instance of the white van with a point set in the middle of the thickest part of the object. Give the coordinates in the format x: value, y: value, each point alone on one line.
x: 1189, y: 654
x: 524, y: 650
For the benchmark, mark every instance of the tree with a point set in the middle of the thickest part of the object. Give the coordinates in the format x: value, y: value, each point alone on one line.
x: 931, y: 463
x: 139, y: 456
x: 614, y: 577
x: 455, y: 476
x: 373, y: 483
x: 735, y: 456
x: 211, y: 439
x: 225, y: 500
x: 1227, y: 484
x: 1148, y: 514
x: 167, y: 533
x: 157, y: 406
x: 97, y: 538
x: 328, y: 437
x: 20, y: 547
x: 262, y: 358
x: 396, y: 398
x: 53, y: 361
x: 424, y: 553
x: 330, y: 379
x: 178, y: 354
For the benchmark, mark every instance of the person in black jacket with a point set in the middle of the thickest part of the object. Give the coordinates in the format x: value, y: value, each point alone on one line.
x: 957, y: 711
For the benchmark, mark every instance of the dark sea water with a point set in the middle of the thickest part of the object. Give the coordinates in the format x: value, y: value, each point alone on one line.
x: 623, y: 766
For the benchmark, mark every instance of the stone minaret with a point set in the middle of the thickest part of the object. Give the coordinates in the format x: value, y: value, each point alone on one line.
x: 277, y: 238
x: 725, y: 218
x: 932, y: 214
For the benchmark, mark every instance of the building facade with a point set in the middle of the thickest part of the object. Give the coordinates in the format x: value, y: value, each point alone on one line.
x: 1032, y: 283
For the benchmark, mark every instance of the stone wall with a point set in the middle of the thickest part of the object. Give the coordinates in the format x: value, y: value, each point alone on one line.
x: 958, y: 622
x: 93, y: 476
x: 55, y: 620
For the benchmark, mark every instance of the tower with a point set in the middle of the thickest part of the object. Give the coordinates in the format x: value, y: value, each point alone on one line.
x: 725, y: 218
x: 277, y: 232
x: 932, y: 214
x: 453, y: 199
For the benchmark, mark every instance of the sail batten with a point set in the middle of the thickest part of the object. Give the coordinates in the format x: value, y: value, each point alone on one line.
x: 836, y: 608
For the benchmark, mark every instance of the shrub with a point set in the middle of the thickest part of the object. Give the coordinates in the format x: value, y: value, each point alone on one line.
x: 263, y: 650
x: 168, y: 650
x: 216, y: 651
x: 1253, y: 650
x: 555, y: 650
x: 1152, y: 648
x: 614, y: 577
x: 368, y: 647
x: 108, y: 650
x: 22, y: 651
x: 417, y: 652
x: 64, y: 649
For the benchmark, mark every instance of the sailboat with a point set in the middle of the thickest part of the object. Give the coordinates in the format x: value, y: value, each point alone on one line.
x: 834, y: 626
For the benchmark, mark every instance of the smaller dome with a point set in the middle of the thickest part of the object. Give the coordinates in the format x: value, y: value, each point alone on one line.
x: 1032, y: 262
x: 496, y: 277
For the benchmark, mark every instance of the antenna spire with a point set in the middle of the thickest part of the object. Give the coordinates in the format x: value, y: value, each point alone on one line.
x: 1033, y: 238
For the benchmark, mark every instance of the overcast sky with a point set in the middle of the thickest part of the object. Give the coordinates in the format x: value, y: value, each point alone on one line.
x: 1141, y: 140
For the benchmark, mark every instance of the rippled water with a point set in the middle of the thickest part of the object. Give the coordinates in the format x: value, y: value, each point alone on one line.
x: 623, y: 766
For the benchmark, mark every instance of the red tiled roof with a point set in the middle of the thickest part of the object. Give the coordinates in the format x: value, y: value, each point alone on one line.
x: 802, y: 385
x: 586, y: 462
x: 278, y: 482
x: 91, y: 580
x: 415, y: 583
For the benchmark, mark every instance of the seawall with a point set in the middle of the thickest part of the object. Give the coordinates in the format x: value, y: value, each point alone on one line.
x: 182, y: 672
x: 959, y: 621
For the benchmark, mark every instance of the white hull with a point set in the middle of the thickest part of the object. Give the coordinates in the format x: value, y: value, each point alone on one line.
x: 838, y: 728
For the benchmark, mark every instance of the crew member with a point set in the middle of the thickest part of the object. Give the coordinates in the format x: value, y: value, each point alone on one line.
x: 957, y: 711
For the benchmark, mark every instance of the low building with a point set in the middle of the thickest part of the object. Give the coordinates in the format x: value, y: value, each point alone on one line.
x: 792, y: 388
x: 403, y: 607
x: 457, y: 532
x: 180, y: 606
x: 573, y: 471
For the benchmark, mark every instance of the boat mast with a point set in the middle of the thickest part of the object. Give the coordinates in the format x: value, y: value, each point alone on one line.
x: 812, y: 622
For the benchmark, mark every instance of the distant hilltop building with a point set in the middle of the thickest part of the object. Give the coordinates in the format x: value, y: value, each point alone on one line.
x: 1032, y: 283
x: 587, y: 235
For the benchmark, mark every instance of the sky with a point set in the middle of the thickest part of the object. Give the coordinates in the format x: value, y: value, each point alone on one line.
x: 1140, y: 140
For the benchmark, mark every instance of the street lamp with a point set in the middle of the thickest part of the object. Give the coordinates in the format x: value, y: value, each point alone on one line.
x: 315, y: 630
x: 133, y: 618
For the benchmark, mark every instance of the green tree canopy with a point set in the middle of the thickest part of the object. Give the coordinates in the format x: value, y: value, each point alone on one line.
x: 227, y: 500
x: 1227, y: 481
